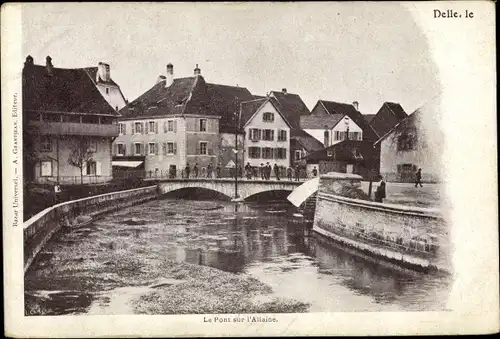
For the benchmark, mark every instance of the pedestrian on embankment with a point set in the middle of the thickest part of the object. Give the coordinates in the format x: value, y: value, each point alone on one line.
x: 315, y: 172
x: 418, y: 178
x: 380, y: 192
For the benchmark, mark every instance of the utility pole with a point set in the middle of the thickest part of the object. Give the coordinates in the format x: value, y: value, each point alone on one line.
x: 237, y: 116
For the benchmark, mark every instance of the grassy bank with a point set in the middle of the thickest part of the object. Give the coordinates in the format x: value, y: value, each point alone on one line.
x: 208, y: 290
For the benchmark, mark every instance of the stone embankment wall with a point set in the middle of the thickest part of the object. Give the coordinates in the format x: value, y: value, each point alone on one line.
x: 40, y: 228
x: 410, y: 236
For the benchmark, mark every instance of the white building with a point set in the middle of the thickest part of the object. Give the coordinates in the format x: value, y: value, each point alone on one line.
x: 101, y: 76
x: 267, y: 133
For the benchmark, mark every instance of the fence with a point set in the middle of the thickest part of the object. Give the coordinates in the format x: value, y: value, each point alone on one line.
x: 74, y: 180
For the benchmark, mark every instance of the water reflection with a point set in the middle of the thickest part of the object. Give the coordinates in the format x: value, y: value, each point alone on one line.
x: 265, y: 240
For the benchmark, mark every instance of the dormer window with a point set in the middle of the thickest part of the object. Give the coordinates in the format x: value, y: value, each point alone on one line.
x: 268, y: 117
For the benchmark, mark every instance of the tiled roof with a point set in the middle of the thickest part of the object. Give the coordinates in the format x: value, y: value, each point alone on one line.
x: 190, y: 95
x: 398, y: 110
x: 333, y: 108
x: 319, y: 122
x: 292, y: 107
x: 387, y: 117
x: 259, y: 96
x: 369, y: 117
x: 66, y: 90
x: 408, y: 122
x: 309, y: 143
x: 248, y: 108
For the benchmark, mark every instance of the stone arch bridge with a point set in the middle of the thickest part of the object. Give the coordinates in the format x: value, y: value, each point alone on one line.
x: 246, y: 188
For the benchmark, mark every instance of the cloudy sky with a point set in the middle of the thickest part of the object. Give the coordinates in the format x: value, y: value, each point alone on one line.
x: 343, y: 52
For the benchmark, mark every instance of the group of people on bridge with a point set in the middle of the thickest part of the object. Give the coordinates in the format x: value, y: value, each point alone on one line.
x: 264, y: 172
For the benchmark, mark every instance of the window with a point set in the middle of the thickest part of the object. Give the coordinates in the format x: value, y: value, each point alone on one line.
x: 267, y: 153
x: 268, y: 135
x: 46, y: 168
x: 329, y: 153
x: 281, y: 135
x: 255, y: 134
x: 254, y: 152
x: 268, y: 117
x: 52, y: 117
x: 203, y: 125
x: 170, y: 126
x: 357, y: 153
x: 121, y: 149
x: 203, y: 148
x: 91, y: 168
x: 92, y: 146
x: 341, y: 135
x: 138, y: 127
x: 45, y: 144
x: 355, y: 136
x: 137, y: 148
x: 298, y: 154
x: 107, y: 90
x: 406, y: 142
x: 151, y: 148
x: 280, y: 153
x: 151, y: 127
x: 171, y: 148
x: 122, y: 128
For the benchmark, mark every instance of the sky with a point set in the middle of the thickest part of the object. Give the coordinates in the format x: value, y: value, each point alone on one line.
x: 345, y: 52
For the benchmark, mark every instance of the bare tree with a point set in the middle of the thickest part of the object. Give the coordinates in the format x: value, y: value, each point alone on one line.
x: 81, y: 153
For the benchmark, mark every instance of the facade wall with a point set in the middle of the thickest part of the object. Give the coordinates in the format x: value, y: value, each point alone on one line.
x: 114, y: 96
x: 69, y: 174
x: 194, y: 138
x: 423, y: 155
x: 257, y: 122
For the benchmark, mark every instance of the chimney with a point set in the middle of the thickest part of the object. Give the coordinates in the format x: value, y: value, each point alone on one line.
x: 283, y: 90
x: 48, y: 65
x: 29, y: 61
x: 170, y: 75
x: 103, y: 72
x: 356, y: 105
x: 197, y: 71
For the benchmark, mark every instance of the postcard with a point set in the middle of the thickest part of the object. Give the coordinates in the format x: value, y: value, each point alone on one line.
x: 249, y: 169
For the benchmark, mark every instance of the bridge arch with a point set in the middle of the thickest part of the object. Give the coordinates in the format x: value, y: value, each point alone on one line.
x: 278, y: 194
x: 200, y: 193
x: 246, y: 188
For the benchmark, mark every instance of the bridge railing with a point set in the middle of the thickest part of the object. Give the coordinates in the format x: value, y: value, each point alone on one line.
x: 223, y: 173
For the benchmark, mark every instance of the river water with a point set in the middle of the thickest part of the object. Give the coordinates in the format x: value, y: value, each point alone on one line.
x: 266, y: 240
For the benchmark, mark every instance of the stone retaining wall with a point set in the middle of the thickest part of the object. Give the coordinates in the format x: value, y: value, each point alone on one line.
x: 411, y: 236
x: 40, y: 228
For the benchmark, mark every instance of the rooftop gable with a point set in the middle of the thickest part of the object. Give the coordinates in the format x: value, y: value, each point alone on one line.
x: 292, y: 106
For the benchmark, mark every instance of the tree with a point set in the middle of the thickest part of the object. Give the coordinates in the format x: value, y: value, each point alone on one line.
x: 80, y: 154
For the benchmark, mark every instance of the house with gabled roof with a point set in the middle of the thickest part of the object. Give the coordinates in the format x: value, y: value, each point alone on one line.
x: 291, y: 105
x: 301, y: 145
x: 410, y: 145
x: 68, y: 126
x: 388, y: 116
x: 101, y: 76
x: 179, y: 122
x: 267, y: 133
x: 331, y: 122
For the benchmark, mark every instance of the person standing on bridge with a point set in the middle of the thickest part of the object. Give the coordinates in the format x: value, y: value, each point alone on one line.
x: 262, y: 172
x: 248, y: 171
x: 297, y: 173
x: 209, y: 171
x: 276, y: 171
x: 218, y: 169
x: 268, y: 171
x: 195, y: 170
x: 188, y: 171
x: 289, y: 173
x: 240, y: 172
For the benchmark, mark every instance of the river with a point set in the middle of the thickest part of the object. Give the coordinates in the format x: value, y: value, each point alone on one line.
x: 265, y: 240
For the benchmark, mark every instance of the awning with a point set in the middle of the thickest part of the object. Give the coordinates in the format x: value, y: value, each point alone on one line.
x: 130, y: 164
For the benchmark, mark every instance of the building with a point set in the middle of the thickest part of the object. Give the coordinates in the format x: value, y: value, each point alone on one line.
x: 331, y: 122
x: 291, y: 106
x: 68, y: 126
x: 267, y: 133
x: 388, y: 116
x: 101, y: 76
x: 180, y: 122
x: 409, y: 146
x: 347, y: 156
x: 301, y: 145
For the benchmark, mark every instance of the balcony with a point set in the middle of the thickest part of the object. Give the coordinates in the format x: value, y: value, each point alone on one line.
x: 75, y: 128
